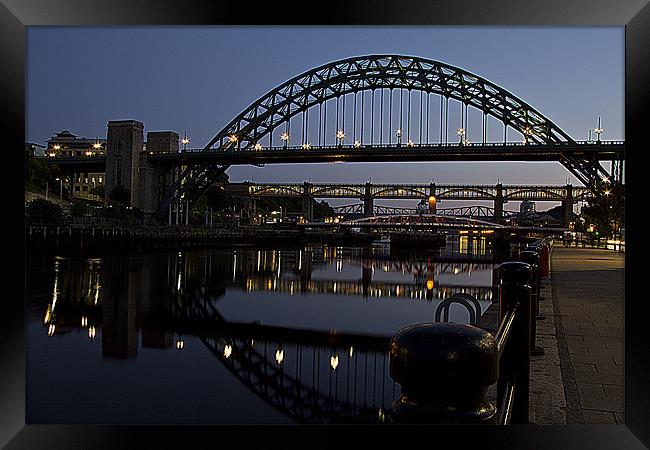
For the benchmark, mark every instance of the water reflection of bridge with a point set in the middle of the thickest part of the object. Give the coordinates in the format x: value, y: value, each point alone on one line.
x: 311, y: 376
x: 367, y: 289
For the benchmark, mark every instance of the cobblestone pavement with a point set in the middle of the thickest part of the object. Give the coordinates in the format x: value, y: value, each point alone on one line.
x: 588, y: 302
x: 548, y: 404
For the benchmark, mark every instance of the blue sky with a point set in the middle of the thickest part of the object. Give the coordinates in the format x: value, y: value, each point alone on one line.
x: 198, y: 78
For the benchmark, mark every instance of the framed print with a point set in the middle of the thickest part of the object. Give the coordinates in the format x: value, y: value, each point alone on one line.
x: 385, y: 220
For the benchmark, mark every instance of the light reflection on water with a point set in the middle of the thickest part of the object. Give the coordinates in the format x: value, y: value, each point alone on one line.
x: 230, y: 336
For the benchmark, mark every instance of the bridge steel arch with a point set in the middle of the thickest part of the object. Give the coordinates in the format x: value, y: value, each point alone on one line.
x: 390, y: 72
x: 371, y: 72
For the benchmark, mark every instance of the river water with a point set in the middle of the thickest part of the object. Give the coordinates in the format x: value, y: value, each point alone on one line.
x: 239, y: 335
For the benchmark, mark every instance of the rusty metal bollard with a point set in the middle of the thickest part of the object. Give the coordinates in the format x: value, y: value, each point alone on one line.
x: 444, y: 370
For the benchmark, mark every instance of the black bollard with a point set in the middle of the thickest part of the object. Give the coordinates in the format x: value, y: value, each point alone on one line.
x: 444, y: 370
x: 533, y: 259
x: 514, y: 363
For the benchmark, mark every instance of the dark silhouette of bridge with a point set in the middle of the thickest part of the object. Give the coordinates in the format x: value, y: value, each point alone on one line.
x: 430, y: 194
x: 355, y: 211
x: 367, y: 108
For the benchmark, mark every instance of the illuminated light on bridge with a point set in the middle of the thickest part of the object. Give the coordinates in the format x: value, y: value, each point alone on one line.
x: 410, y: 143
x: 306, y: 146
x: 340, y: 136
x: 233, y: 138
x: 279, y: 355
x: 57, y: 147
x: 285, y: 137
x: 97, y: 145
x: 180, y: 344
x: 351, y: 352
x: 52, y: 154
x: 84, y: 321
x: 334, y: 361
x: 258, y: 147
x: 227, y: 350
x: 598, y: 130
x: 51, y: 329
x: 357, y: 144
x: 91, y: 332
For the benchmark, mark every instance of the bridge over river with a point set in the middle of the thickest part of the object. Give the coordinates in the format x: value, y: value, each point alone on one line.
x: 372, y: 108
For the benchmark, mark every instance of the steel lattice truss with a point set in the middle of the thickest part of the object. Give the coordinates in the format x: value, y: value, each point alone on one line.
x: 416, y: 191
x: 428, y: 219
x: 191, y: 182
x: 464, y: 211
x: 383, y: 72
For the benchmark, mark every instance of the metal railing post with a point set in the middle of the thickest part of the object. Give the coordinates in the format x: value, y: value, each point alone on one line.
x: 514, y: 363
x: 444, y: 370
x: 532, y: 257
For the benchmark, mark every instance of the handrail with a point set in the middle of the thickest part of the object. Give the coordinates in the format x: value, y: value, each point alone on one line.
x: 506, y: 406
x: 503, y: 333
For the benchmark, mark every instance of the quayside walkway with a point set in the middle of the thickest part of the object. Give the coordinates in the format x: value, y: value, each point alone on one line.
x: 587, y: 310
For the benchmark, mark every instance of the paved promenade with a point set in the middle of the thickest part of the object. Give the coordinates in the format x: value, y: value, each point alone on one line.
x: 587, y: 293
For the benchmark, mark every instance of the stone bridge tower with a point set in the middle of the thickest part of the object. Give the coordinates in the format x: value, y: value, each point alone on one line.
x: 123, y: 147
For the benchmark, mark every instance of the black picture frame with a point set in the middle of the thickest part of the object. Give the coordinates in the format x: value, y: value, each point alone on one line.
x: 634, y: 15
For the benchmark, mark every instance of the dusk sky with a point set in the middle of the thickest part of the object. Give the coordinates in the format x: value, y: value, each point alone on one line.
x: 198, y: 78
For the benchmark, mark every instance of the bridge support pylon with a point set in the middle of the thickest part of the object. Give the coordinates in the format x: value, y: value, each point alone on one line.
x: 307, y: 203
x: 567, y: 206
x: 368, y: 201
x: 433, y: 200
x: 498, y: 204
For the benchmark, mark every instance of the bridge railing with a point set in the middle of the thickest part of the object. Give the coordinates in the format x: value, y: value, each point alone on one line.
x: 407, y: 145
x: 352, y: 146
x: 445, y: 369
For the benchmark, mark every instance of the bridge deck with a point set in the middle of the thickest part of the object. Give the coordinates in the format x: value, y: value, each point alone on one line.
x: 512, y: 151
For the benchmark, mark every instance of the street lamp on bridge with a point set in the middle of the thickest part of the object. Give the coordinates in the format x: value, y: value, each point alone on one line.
x: 460, y: 132
x: 185, y: 141
x: 598, y: 130
x: 340, y: 135
x: 398, y: 134
x: 285, y: 138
